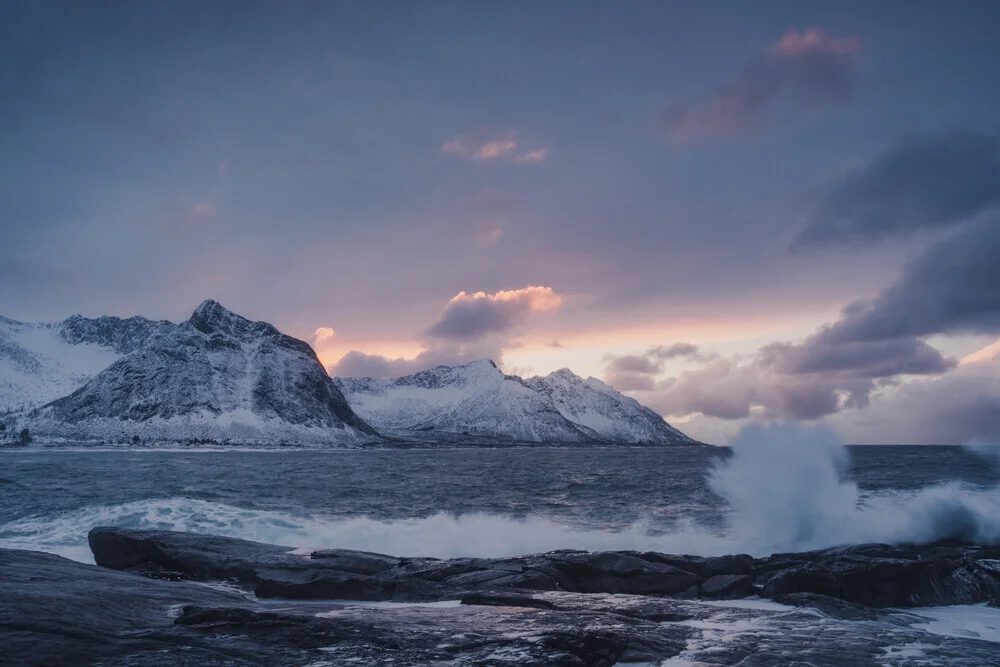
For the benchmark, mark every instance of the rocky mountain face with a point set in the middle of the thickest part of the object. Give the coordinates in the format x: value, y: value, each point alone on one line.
x: 217, y: 376
x: 477, y: 400
x: 121, y: 335
x: 40, y: 362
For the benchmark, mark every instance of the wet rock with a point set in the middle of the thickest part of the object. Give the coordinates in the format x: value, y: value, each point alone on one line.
x: 833, y: 607
x: 704, y: 566
x: 275, y: 571
x: 302, y: 584
x: 57, y: 612
x: 875, y: 575
x: 727, y: 587
x: 198, y: 556
x: 359, y: 562
x: 886, y: 576
x: 506, y: 600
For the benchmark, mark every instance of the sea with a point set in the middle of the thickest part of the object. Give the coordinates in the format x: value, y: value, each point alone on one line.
x: 771, y: 492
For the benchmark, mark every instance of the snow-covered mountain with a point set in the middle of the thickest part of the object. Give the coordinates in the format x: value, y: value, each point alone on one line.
x: 221, y: 377
x: 607, y: 413
x: 217, y: 376
x: 40, y: 362
x: 478, y: 400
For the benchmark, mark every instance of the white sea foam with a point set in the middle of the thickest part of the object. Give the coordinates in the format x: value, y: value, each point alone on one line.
x: 965, y: 621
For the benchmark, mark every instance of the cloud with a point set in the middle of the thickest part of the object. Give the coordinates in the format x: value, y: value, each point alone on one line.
x: 485, y: 145
x: 360, y: 364
x: 956, y: 408
x: 472, y: 326
x: 687, y: 350
x: 808, y: 380
x: 482, y: 146
x: 322, y: 335
x: 473, y: 316
x: 919, y: 182
x: 866, y: 359
x: 538, y: 155
x: 811, y: 65
x: 637, y: 372
x: 202, y: 209
x: 954, y: 287
x: 989, y: 353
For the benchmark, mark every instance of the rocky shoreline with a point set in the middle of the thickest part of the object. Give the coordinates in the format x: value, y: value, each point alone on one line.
x: 167, y: 598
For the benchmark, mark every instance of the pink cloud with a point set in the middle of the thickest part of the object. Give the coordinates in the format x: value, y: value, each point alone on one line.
x: 814, y: 41
x: 202, y: 209
x: 481, y: 148
x: 538, y: 155
x: 811, y: 65
x: 323, y: 334
x: 483, y: 145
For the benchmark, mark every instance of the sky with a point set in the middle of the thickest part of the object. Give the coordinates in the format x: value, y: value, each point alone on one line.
x: 784, y: 211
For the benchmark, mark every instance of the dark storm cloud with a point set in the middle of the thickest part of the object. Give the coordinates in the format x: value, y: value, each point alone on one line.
x: 865, y: 359
x: 919, y: 182
x: 954, y: 287
x: 473, y: 316
x: 813, y: 66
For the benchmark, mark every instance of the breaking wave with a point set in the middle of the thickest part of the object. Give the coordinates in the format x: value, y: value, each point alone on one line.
x: 787, y: 491
x: 784, y: 486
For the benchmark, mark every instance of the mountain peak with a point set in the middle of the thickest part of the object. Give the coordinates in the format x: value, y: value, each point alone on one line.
x: 212, y: 317
x: 210, y: 308
x: 485, y: 364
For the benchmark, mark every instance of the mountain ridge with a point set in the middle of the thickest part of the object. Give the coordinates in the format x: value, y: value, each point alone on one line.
x: 490, y: 402
x: 221, y: 377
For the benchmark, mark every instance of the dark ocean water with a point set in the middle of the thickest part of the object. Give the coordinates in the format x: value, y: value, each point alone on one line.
x: 504, y: 501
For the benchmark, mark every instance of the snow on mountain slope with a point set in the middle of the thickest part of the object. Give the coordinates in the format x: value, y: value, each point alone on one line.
x: 40, y: 362
x: 216, y: 376
x: 609, y: 414
x: 475, y: 399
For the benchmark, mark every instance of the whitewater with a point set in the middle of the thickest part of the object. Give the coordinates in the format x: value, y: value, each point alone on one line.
x: 776, y: 489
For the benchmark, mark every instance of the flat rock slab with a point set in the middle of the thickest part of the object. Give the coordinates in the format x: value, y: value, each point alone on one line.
x: 58, y: 612
x: 275, y: 571
x: 876, y: 575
